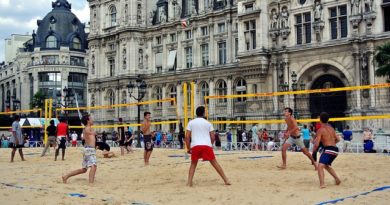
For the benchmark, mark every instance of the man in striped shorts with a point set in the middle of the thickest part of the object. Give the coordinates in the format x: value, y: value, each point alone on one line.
x: 327, y: 136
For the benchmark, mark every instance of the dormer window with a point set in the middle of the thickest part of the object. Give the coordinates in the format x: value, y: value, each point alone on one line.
x: 51, y: 42
x: 76, y: 43
x: 249, y: 7
x: 113, y: 16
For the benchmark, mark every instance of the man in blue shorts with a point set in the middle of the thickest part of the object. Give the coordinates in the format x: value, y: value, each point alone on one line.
x: 327, y: 136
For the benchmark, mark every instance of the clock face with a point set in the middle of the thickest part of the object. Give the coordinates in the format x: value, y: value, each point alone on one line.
x: 59, y: 4
x: 302, y: 2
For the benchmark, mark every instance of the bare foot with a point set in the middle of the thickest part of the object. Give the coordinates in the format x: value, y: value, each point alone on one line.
x: 315, y: 166
x: 281, y: 167
x: 189, y: 184
x: 322, y: 186
x: 228, y: 183
x: 338, y: 182
x: 64, y: 179
x: 12, y: 161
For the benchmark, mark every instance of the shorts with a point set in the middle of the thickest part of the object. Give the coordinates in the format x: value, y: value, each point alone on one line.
x: 202, y: 151
x: 346, y: 144
x: 15, y: 146
x: 295, y: 140
x: 61, y: 142
x: 121, y: 143
x: 74, y: 142
x: 89, y: 157
x: 330, y: 153
x: 52, y: 140
x: 129, y: 143
x: 255, y: 140
x: 148, y: 143
x: 217, y: 143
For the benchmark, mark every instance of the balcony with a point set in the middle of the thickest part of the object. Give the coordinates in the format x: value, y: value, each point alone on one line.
x: 39, y: 63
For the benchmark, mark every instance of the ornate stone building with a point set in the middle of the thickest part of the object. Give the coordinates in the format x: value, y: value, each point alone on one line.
x: 235, y: 47
x: 53, y: 59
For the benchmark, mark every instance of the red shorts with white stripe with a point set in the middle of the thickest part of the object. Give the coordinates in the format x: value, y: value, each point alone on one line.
x: 202, y: 152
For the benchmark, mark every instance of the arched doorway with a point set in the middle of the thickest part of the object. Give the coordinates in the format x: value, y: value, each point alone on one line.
x: 334, y: 103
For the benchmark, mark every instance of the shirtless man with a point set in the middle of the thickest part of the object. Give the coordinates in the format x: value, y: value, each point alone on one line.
x: 327, y: 136
x: 147, y: 137
x: 292, y: 136
x: 89, y: 158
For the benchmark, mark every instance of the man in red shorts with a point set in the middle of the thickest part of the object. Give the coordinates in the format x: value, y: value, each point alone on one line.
x: 199, y: 140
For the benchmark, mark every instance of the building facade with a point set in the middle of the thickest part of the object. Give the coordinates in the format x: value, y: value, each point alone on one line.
x: 235, y: 47
x: 53, y: 59
x: 13, y: 44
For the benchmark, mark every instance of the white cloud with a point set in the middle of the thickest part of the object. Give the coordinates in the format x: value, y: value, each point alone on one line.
x: 82, y: 14
x: 4, y: 3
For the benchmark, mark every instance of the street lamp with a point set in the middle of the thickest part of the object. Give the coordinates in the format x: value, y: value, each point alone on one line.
x: 294, y: 87
x: 141, y: 86
x: 68, y: 100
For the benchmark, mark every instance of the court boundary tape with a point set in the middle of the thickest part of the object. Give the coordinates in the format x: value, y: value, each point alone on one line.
x: 353, y: 196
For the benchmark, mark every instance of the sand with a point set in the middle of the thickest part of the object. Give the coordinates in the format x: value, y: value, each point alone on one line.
x: 125, y: 180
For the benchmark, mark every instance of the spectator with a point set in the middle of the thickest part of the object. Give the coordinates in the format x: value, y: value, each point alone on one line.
x: 255, y: 138
x: 368, y: 143
x: 74, y: 139
x: 217, y: 140
x: 347, y: 136
x: 158, y: 138
x: 52, y: 139
x: 17, y: 139
x: 229, y: 140
x: 62, y: 135
x: 306, y: 136
x: 181, y: 135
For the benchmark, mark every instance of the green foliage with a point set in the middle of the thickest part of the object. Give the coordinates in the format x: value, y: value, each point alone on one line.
x: 383, y: 60
x: 38, y: 100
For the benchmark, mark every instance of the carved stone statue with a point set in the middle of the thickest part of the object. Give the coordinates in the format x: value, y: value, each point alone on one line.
x: 274, y: 20
x: 193, y: 8
x: 355, y: 7
x: 284, y: 18
x: 140, y: 57
x: 177, y: 10
x: 151, y: 17
x: 163, y: 17
x: 139, y: 14
x: 124, y: 58
x: 317, y: 11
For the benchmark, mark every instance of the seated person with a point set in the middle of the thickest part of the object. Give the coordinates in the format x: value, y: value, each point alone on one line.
x: 105, y: 148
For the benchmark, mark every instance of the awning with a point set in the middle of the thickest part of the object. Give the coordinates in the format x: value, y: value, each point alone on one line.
x: 21, y: 122
x: 158, y: 59
x: 171, y: 59
x: 34, y: 122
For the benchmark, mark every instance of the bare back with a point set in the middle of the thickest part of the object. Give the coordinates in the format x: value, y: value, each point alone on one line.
x: 146, y: 127
x: 89, y: 136
x: 327, y: 135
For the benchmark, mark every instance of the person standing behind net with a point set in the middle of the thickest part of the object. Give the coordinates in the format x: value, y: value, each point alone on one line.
x: 306, y: 136
x: 122, y: 137
x: 52, y: 141
x: 16, y: 141
x: 62, y: 134
x: 199, y: 142
x: 347, y: 135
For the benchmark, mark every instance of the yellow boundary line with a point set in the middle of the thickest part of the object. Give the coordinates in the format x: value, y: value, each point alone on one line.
x: 301, y: 120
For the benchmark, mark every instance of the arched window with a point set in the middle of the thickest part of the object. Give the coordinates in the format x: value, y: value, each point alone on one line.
x: 172, y: 93
x: 113, y: 16
x: 158, y: 95
x: 204, y: 91
x: 240, y: 89
x: 124, y: 97
x: 221, y: 89
x: 111, y: 97
x: 76, y: 43
x: 51, y: 42
x: 93, y: 65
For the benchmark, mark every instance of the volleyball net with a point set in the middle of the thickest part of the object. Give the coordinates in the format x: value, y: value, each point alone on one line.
x: 30, y: 118
x: 356, y: 104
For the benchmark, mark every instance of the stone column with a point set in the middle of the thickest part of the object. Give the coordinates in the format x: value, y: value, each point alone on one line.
x: 371, y: 73
x: 196, y: 97
x: 286, y: 80
x: 180, y: 55
x: 212, y: 46
x: 275, y: 84
x: 357, y: 79
x: 164, y: 110
x: 230, y: 100
x: 36, y: 82
x: 211, y: 104
x: 229, y: 43
x: 179, y: 100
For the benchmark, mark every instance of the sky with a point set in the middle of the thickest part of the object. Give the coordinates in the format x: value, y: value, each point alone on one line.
x: 20, y: 16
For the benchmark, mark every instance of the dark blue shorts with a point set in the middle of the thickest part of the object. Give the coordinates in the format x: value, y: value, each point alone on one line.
x: 328, y: 155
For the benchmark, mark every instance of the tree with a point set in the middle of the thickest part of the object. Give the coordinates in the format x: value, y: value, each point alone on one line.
x: 38, y: 100
x: 383, y: 60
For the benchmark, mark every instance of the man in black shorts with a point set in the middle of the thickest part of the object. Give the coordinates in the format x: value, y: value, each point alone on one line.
x: 122, y: 137
x: 147, y: 137
x: 16, y: 141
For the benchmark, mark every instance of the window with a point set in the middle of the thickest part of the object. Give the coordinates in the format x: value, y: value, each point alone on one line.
x: 249, y: 7
x: 221, y: 90
x: 188, y: 51
x: 205, y: 54
x: 158, y: 61
x: 222, y: 52
x: 206, y: 4
x: 250, y: 34
x: 171, y: 60
x: 112, y: 46
x: 113, y: 16
x: 204, y: 91
x: 240, y: 89
x: 205, y: 31
x: 188, y: 34
x: 111, y: 63
x: 50, y: 59
x: 158, y: 40
x: 221, y: 27
x: 124, y: 97
x: 76, y: 43
x: 221, y: 127
x: 158, y: 95
x: 77, y: 61
x: 303, y: 27
x: 111, y: 97
x: 338, y: 22
x: 93, y: 100
x: 51, y: 42
x: 173, y: 37
x: 172, y: 93
x: 386, y: 15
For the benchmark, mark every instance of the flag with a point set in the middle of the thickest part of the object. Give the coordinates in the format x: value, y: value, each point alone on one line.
x: 184, y: 23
